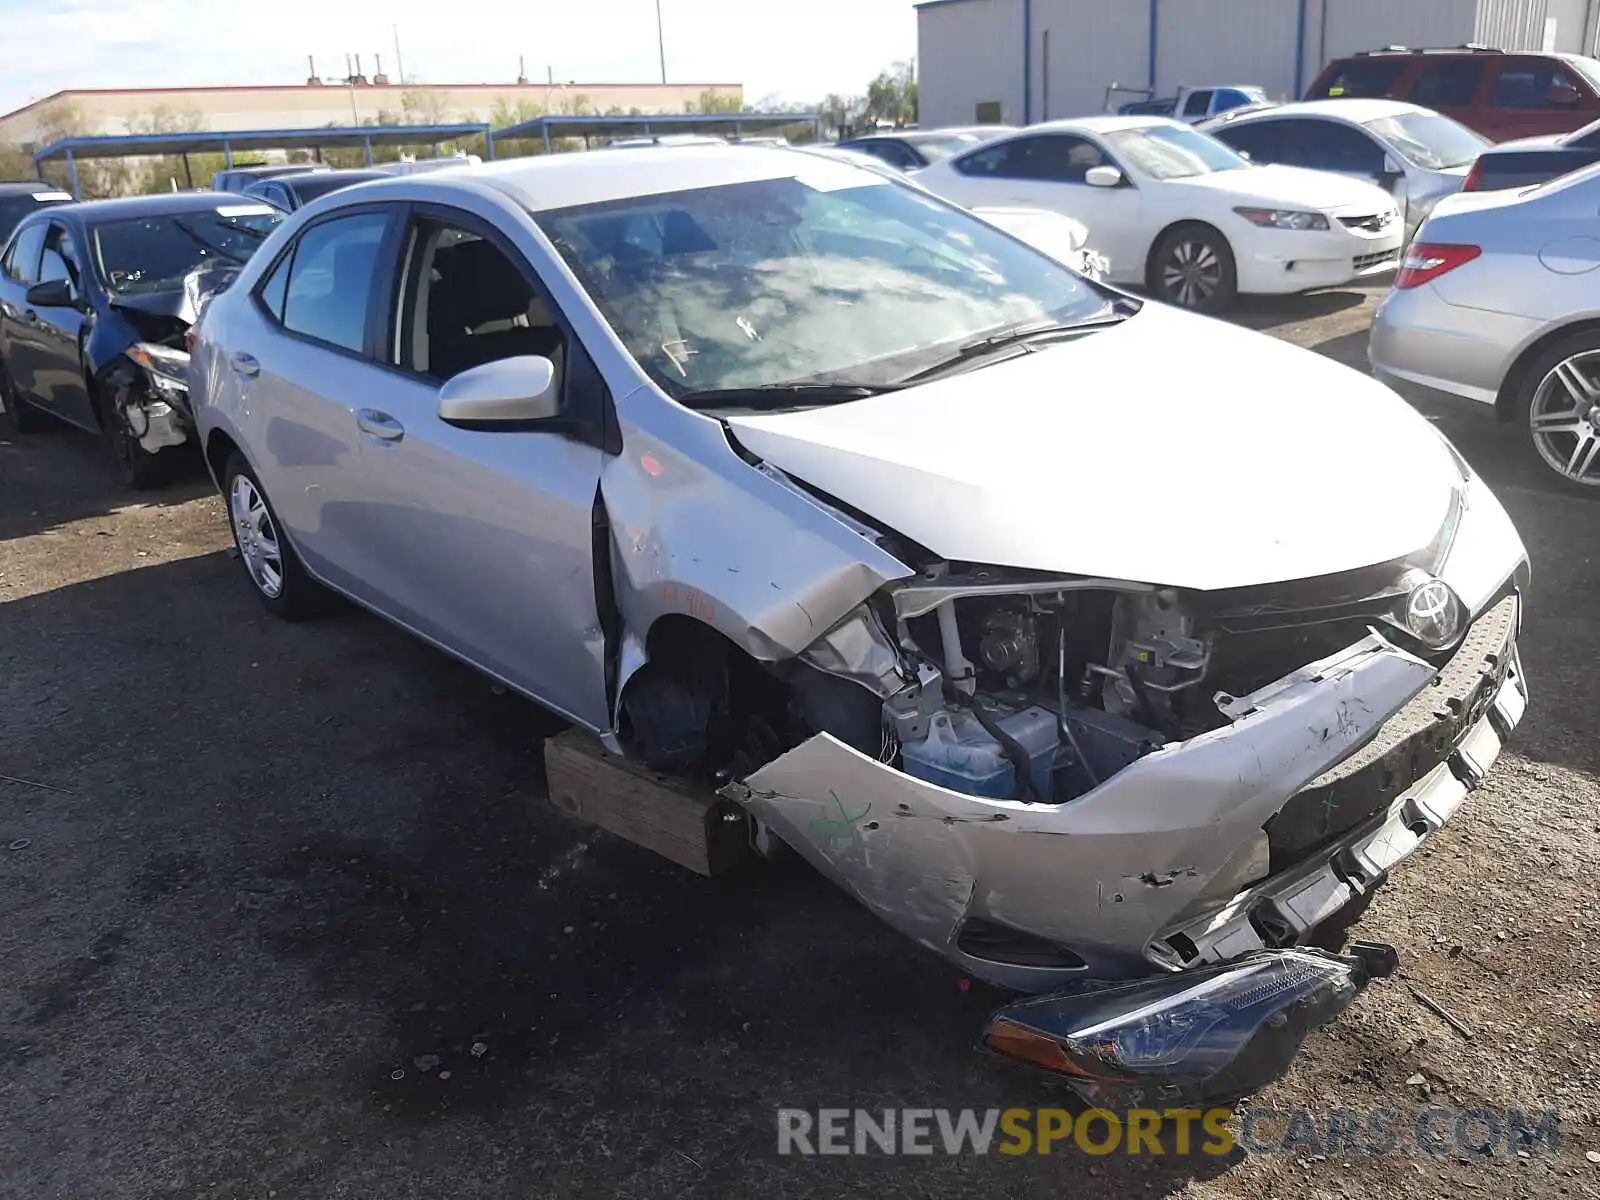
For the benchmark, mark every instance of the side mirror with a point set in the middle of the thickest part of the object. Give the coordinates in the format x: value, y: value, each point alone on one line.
x: 500, y: 394
x: 1563, y: 95
x: 52, y: 293
x: 1103, y: 176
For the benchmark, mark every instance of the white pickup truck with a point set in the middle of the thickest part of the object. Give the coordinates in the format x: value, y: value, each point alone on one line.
x: 1193, y: 104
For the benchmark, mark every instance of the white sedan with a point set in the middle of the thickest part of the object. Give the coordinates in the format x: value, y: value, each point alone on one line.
x: 1178, y: 212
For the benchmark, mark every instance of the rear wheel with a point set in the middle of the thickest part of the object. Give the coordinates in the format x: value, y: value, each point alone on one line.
x: 1192, y: 266
x: 20, y: 416
x: 270, y: 563
x: 1558, y: 405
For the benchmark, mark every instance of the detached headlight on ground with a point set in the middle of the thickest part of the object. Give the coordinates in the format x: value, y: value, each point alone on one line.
x: 167, y: 369
x: 1283, y: 218
x: 1204, y: 1036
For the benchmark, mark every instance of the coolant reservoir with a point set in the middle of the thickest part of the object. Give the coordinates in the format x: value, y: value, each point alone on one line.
x: 959, y: 754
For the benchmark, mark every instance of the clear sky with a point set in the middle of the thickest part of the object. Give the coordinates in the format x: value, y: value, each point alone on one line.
x: 799, y: 49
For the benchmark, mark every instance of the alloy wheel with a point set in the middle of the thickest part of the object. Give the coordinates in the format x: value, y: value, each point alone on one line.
x: 257, y: 537
x: 1192, y: 273
x: 1564, y: 419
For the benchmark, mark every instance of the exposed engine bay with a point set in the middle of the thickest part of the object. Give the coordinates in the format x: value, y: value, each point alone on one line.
x: 1003, y: 686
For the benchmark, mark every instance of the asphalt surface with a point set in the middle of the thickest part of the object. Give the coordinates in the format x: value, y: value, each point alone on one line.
x: 258, y: 873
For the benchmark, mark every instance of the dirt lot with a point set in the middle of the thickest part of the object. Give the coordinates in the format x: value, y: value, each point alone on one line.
x: 257, y: 870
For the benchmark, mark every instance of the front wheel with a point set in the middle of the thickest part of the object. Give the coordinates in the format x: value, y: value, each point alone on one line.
x: 1559, y: 406
x: 1192, y: 266
x: 275, y: 571
x: 138, y: 468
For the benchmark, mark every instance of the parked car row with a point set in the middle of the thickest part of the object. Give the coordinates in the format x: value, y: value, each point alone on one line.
x: 787, y: 477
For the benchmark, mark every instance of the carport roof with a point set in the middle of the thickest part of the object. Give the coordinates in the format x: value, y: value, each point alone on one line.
x: 200, y: 142
x: 620, y: 126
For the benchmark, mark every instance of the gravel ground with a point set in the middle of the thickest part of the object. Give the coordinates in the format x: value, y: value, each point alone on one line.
x: 258, y: 871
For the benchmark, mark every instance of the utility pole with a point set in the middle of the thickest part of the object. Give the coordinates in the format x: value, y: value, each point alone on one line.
x: 399, y: 63
x: 661, y: 43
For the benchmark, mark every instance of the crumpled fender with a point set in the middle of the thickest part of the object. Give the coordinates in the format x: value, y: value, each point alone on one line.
x: 698, y: 531
x: 1103, y: 873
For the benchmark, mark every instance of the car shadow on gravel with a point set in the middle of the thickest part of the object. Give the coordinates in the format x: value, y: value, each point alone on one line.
x: 60, y: 475
x: 1269, y: 312
x: 351, y: 845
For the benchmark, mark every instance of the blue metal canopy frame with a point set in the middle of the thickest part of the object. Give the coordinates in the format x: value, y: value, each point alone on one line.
x: 650, y: 125
x: 134, y: 145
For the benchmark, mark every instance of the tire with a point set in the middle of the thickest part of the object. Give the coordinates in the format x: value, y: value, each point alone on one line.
x: 20, y: 416
x: 1192, y: 267
x: 1557, y: 408
x: 278, y: 578
x: 137, y: 467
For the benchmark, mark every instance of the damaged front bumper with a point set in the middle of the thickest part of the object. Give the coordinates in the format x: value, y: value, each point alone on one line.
x: 1167, y: 864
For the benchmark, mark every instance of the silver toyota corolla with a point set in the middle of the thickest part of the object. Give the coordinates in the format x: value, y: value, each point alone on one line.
x: 1497, y: 303
x: 781, y: 475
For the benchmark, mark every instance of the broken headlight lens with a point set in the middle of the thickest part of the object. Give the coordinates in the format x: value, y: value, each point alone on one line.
x: 1208, y: 1035
x: 167, y: 369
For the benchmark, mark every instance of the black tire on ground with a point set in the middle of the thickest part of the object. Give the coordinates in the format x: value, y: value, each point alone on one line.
x: 1192, y: 266
x: 1583, y: 441
x: 20, y: 416
x: 137, y: 467
x: 276, y: 574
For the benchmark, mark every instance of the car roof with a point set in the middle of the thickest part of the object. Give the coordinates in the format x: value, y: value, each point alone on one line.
x: 550, y: 181
x: 349, y: 174
x: 1357, y: 111
x: 1112, y: 123
x: 162, y: 204
x: 34, y: 187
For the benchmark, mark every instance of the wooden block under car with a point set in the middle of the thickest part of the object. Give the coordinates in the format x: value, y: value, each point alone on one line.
x: 692, y: 826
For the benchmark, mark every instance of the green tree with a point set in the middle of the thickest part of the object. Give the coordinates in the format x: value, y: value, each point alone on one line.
x: 892, y: 95
x: 713, y: 101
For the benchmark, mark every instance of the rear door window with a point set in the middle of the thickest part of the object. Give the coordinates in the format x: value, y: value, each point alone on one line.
x: 1525, y: 83
x: 1263, y: 141
x: 1369, y: 78
x: 1452, y: 83
x: 329, y: 284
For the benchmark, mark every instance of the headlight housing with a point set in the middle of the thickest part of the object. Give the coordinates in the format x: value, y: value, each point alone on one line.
x: 1283, y: 218
x: 167, y: 369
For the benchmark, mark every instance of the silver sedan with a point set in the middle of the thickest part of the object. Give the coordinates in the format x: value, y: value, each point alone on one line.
x: 805, y: 485
x: 1497, y: 304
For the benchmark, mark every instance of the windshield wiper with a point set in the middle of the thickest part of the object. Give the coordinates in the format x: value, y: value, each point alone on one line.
x: 1017, y: 337
x: 782, y: 395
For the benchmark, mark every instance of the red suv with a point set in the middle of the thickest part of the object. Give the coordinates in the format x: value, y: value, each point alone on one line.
x: 1502, y: 94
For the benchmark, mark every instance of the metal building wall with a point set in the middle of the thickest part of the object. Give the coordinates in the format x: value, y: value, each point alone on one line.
x: 1203, y: 42
x: 968, y: 52
x: 1080, y: 47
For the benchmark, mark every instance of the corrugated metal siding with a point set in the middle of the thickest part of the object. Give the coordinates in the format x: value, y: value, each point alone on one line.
x: 968, y: 53
x: 1092, y: 45
x: 1511, y: 24
x: 1227, y: 41
x: 1353, y: 25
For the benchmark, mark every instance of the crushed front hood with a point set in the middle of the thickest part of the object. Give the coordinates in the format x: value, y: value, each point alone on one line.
x: 1171, y: 449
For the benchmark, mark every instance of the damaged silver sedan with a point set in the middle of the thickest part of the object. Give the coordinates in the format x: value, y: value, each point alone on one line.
x: 1086, y: 642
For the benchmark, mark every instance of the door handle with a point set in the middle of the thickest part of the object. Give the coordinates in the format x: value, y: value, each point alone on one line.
x: 379, y: 425
x: 246, y: 364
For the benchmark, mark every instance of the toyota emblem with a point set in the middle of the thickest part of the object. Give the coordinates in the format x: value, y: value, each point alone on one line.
x: 1433, y: 614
